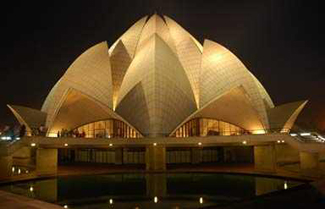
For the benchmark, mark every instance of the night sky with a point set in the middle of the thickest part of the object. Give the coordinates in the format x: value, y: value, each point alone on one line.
x: 281, y: 42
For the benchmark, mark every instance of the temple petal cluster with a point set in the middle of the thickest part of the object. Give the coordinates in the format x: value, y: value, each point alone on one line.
x: 158, y: 80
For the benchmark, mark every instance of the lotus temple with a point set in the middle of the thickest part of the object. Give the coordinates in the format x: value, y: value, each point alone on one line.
x: 157, y: 97
x: 156, y: 100
x: 157, y: 80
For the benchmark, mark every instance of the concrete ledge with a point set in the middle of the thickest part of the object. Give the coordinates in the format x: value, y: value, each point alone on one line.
x: 13, y: 201
x: 7, y: 149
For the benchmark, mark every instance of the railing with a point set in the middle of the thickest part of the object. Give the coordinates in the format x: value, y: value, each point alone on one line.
x: 309, y: 137
x: 303, y: 137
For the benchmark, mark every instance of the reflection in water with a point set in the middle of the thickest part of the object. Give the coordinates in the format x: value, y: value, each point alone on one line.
x: 267, y: 185
x: 47, y: 190
x: 156, y: 185
x: 148, y: 191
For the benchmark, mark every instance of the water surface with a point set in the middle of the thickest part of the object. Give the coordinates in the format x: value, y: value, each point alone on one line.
x: 154, y: 191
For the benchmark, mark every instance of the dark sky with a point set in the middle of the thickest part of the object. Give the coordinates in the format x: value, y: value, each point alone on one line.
x: 280, y: 41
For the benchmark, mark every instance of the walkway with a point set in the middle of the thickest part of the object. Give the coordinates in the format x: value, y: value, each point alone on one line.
x: 12, y: 201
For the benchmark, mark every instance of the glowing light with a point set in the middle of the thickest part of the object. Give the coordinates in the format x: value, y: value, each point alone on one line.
x: 53, y: 135
x: 33, y: 144
x: 293, y: 134
x: 110, y: 145
x: 305, y: 134
x: 27, y: 171
x: 199, y: 143
x: 154, y: 144
x: 155, y: 199
x: 19, y: 171
x: 258, y: 132
x: 284, y: 131
x: 279, y: 141
x: 201, y: 200
x: 285, y: 185
x: 13, y: 169
x: 65, y: 206
x: 111, y: 201
x: 31, y: 189
x: 244, y: 142
x: 282, y: 141
x: 66, y: 145
x: 6, y: 138
x: 17, y: 138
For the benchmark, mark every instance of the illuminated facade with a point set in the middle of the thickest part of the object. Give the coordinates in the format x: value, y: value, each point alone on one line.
x: 158, y: 80
x: 207, y: 127
x: 108, y: 129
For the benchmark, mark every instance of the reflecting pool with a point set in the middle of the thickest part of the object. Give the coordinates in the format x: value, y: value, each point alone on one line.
x: 137, y: 191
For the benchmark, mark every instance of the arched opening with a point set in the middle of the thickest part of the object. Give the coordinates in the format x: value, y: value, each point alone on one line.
x: 208, y: 127
x: 110, y: 128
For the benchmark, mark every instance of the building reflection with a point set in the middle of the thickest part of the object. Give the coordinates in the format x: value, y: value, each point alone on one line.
x: 267, y: 185
x: 47, y: 190
x: 137, y: 190
x: 156, y: 185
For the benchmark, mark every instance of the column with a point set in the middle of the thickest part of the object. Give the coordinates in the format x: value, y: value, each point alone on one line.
x: 309, y: 164
x: 22, y: 157
x: 126, y: 156
x: 264, y: 158
x: 5, y: 167
x: 196, y: 155
x: 285, y: 154
x: 156, y: 158
x: 119, y: 156
x: 46, y: 161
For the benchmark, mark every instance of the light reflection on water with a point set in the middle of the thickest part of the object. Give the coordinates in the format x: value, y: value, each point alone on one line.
x: 156, y: 191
